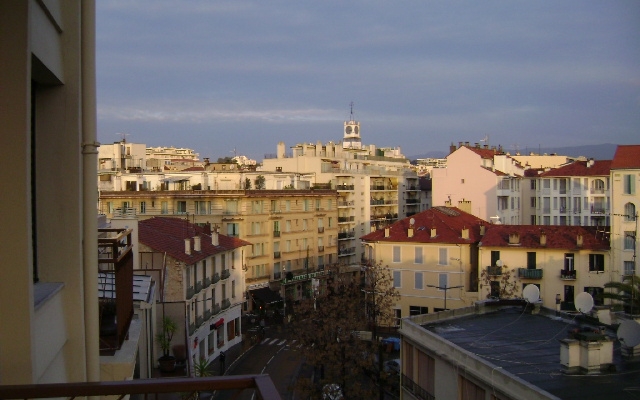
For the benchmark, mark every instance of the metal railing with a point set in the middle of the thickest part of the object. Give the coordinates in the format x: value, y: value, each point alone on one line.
x: 262, y: 384
x: 528, y: 273
x: 226, y: 274
x: 417, y: 390
x: 216, y: 278
x: 567, y: 274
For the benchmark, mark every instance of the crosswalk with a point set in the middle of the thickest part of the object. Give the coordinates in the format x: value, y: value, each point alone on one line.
x: 291, y: 343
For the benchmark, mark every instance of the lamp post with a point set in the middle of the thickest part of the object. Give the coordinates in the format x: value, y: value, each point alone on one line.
x: 445, y: 288
x: 284, y: 299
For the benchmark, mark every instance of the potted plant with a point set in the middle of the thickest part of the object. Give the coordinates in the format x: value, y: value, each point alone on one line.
x: 169, y: 327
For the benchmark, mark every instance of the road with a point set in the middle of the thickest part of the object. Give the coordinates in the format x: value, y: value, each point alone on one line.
x: 276, y: 355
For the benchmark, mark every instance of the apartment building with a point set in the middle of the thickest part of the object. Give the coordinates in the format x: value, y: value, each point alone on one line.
x: 625, y: 201
x: 290, y: 231
x: 376, y: 186
x: 433, y: 256
x: 577, y: 193
x: 562, y: 261
x: 203, y: 282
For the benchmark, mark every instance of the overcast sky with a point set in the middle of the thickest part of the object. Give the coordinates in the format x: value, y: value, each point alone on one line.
x: 222, y: 75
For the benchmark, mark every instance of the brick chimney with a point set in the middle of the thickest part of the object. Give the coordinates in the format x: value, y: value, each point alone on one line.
x: 196, y: 243
x: 187, y: 246
x: 543, y: 239
x: 433, y: 232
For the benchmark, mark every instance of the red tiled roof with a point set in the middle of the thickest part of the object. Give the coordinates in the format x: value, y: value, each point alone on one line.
x: 627, y: 156
x: 448, y: 222
x: 484, y: 153
x: 168, y: 234
x: 193, y: 169
x: 579, y: 168
x: 558, y: 237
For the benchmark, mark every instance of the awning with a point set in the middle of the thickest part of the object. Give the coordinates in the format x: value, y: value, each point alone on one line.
x: 217, y: 324
x: 176, y: 178
x: 265, y: 295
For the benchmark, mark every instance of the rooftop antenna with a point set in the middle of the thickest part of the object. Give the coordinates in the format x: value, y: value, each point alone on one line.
x: 124, y: 136
x: 351, y: 114
x: 485, y: 140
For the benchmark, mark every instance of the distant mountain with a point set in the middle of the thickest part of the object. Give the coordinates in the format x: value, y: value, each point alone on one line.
x: 598, y: 152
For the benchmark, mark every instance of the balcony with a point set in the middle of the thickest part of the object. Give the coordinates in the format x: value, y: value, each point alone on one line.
x: 199, y: 320
x: 146, y: 388
x: 216, y: 278
x: 276, y: 234
x: 320, y: 249
x: 207, y: 282
x: 413, y: 201
x: 191, y: 291
x: 207, y: 314
x: 346, y: 235
x: 115, y: 259
x: 226, y: 274
x: 276, y: 254
x: 198, y: 286
x: 216, y: 309
x: 277, y: 275
x: 568, y: 275
x: 344, y: 187
x: 192, y: 328
x: 528, y: 273
x: 321, y: 229
x: 415, y: 389
x: 346, y: 251
x: 494, y: 270
x: 599, y: 210
x: 226, y: 303
x: 345, y: 219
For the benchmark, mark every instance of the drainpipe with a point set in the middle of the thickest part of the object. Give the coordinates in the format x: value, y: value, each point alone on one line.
x: 89, y: 190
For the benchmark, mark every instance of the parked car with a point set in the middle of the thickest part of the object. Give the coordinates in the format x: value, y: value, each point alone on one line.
x: 392, y: 366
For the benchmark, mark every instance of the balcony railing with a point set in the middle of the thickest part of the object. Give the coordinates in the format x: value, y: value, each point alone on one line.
x: 226, y: 303
x: 320, y: 249
x: 344, y: 187
x: 347, y: 251
x: 191, y: 291
x: 216, y: 309
x: 199, y: 320
x: 277, y: 275
x: 276, y: 233
x: 528, y: 273
x: 494, y: 270
x: 321, y: 229
x: 276, y: 254
x: 146, y: 388
x: 226, y: 274
x: 207, y: 314
x: 198, y: 286
x: 567, y: 274
x: 115, y: 261
x: 346, y: 235
x: 207, y: 281
x: 216, y: 278
x: 417, y: 390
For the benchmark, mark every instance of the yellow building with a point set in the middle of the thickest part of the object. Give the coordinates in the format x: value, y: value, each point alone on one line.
x: 562, y: 261
x: 433, y: 256
x: 290, y: 230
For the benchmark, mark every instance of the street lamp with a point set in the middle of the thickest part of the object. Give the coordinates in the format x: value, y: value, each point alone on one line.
x: 445, y: 288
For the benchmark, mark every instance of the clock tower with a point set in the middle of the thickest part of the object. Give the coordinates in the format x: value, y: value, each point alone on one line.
x: 351, y: 139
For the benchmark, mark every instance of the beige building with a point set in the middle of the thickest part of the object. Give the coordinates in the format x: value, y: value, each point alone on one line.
x: 203, y: 283
x: 290, y: 230
x: 376, y: 186
x: 433, y: 257
x: 625, y: 202
x: 49, y: 248
x: 562, y: 261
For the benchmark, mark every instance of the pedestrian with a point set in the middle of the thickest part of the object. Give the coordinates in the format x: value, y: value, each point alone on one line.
x: 222, y: 357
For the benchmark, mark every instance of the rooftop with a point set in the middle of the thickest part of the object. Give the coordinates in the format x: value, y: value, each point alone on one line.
x: 526, y: 346
x: 581, y: 168
x: 627, y: 156
x: 558, y: 236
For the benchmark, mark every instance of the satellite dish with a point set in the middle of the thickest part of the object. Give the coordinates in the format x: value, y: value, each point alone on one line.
x: 629, y: 333
x: 531, y: 293
x: 499, y: 263
x: 412, y: 221
x: 584, y: 302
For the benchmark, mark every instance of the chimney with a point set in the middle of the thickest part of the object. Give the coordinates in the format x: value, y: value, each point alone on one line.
x: 410, y: 232
x: 187, y: 246
x: 482, y: 230
x: 465, y: 233
x: 433, y: 232
x: 386, y: 232
x: 196, y: 243
x: 477, y: 145
x: 466, y: 144
x: 214, y: 237
x: 485, y: 146
x: 452, y: 148
x: 579, y: 240
x: 514, y: 238
x: 543, y: 239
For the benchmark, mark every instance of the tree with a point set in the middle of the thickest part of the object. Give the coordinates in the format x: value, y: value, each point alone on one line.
x: 626, y: 294
x: 247, y: 183
x: 260, y: 182
x: 500, y: 282
x: 328, y: 323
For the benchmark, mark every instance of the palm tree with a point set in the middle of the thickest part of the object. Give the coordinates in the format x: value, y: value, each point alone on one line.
x: 626, y: 293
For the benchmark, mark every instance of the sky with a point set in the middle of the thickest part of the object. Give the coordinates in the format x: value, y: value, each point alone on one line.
x: 237, y: 77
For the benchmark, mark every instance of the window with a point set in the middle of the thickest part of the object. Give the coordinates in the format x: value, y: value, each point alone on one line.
x: 629, y: 184
x: 546, y: 184
x: 596, y: 262
x: 211, y: 340
x: 143, y: 207
x: 629, y: 212
x: 596, y: 293
x: 304, y: 225
x: 276, y: 227
x: 233, y: 289
x: 568, y: 262
x: 531, y: 260
x: 396, y: 254
x: 287, y: 225
x: 181, y: 207
x: 203, y: 207
x: 306, y: 205
x: 274, y: 205
x: 330, y: 222
x: 417, y: 310
x: 443, y: 259
x: 495, y: 256
x: 426, y: 370
x: 629, y: 268
x: 233, y: 229
x: 287, y: 205
x: 418, y: 255
x: 255, y: 228
x: 257, y: 206
x: 231, y: 207
x: 469, y: 390
x: 318, y: 207
x: 443, y: 280
x: 397, y: 281
x: 629, y: 240
x: 418, y: 281
x: 329, y: 204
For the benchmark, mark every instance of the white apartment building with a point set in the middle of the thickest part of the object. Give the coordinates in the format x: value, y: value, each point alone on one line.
x: 376, y: 186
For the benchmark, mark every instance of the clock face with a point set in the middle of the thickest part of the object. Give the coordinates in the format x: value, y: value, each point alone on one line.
x: 355, y: 130
x: 348, y: 130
